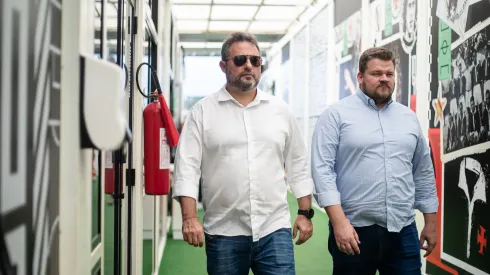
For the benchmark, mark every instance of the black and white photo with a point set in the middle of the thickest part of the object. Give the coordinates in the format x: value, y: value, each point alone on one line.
x: 466, y: 120
x: 408, y: 25
x: 462, y: 15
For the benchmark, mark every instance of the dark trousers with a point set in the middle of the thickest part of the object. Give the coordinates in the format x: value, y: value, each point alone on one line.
x: 236, y: 255
x: 389, y: 253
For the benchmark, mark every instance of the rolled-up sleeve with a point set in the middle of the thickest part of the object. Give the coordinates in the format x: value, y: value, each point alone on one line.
x: 296, y: 161
x: 324, y: 146
x: 423, y: 176
x: 188, y: 157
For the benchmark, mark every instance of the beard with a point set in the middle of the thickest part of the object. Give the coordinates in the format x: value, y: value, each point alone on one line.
x: 242, y: 85
x: 377, y: 96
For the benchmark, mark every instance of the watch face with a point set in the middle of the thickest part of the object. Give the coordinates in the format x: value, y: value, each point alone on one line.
x: 311, y: 213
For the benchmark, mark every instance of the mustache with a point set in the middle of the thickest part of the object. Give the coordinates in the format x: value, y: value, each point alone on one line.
x: 248, y: 73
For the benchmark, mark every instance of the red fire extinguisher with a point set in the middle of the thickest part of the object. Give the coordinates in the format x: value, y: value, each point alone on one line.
x: 160, y: 134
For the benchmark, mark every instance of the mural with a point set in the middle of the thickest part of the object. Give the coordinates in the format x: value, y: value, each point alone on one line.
x: 466, y: 119
x: 395, y: 28
x: 347, y: 52
x: 30, y: 119
x: 464, y: 238
x: 460, y: 105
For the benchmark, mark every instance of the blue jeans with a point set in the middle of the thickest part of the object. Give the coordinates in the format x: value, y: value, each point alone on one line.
x: 270, y: 255
x: 390, y: 253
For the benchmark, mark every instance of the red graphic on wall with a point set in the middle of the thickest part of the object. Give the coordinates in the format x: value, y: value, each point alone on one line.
x: 435, y: 146
x: 413, y: 103
x: 482, y: 240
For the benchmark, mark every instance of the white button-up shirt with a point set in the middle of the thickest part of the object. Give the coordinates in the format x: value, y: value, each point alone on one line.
x: 242, y: 154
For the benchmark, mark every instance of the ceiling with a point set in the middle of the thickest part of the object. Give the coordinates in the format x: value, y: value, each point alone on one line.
x: 204, y: 24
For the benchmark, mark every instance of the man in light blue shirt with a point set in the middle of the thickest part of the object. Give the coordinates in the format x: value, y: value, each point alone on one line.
x: 372, y: 168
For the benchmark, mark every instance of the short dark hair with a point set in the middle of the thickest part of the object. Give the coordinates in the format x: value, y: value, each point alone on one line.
x: 234, y: 38
x: 375, y: 53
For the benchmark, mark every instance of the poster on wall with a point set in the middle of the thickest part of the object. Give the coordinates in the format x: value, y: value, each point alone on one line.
x: 467, y: 92
x: 466, y: 208
x: 30, y: 117
x: 348, y: 36
x: 462, y: 15
x: 395, y: 28
x: 347, y: 52
x: 459, y: 72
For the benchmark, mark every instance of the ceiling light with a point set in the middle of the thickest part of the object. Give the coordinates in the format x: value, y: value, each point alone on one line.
x: 214, y: 45
x: 227, y: 26
x: 190, y: 11
x: 278, y: 12
x: 191, y: 26
x: 269, y: 26
x: 233, y: 12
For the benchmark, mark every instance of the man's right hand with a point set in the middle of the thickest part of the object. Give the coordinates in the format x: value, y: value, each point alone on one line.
x: 193, y: 232
x: 346, y: 238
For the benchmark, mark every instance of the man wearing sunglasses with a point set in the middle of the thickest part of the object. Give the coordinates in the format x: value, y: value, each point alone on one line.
x: 241, y: 141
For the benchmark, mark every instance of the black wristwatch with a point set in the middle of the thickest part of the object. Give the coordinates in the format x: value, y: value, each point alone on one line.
x: 308, y: 213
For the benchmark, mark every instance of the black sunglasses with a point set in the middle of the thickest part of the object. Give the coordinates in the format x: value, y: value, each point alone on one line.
x: 240, y: 60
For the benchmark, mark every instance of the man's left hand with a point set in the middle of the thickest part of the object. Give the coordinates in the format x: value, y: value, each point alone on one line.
x: 305, y: 227
x: 429, y: 234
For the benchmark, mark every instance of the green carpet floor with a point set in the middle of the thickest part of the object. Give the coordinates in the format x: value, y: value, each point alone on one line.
x: 312, y: 257
x: 108, y: 228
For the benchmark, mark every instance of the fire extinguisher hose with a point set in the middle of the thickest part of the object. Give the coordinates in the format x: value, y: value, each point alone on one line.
x: 154, y: 78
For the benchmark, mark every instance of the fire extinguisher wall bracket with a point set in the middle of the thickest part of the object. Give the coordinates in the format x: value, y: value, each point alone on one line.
x: 130, y: 177
x: 102, y: 121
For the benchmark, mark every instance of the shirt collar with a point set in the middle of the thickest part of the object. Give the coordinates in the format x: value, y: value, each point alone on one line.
x: 369, y: 101
x: 224, y: 95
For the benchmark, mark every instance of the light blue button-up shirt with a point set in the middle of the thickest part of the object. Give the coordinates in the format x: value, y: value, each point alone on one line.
x: 374, y: 162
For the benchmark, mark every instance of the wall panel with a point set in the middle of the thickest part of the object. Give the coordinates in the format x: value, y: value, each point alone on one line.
x: 30, y: 122
x: 460, y: 105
